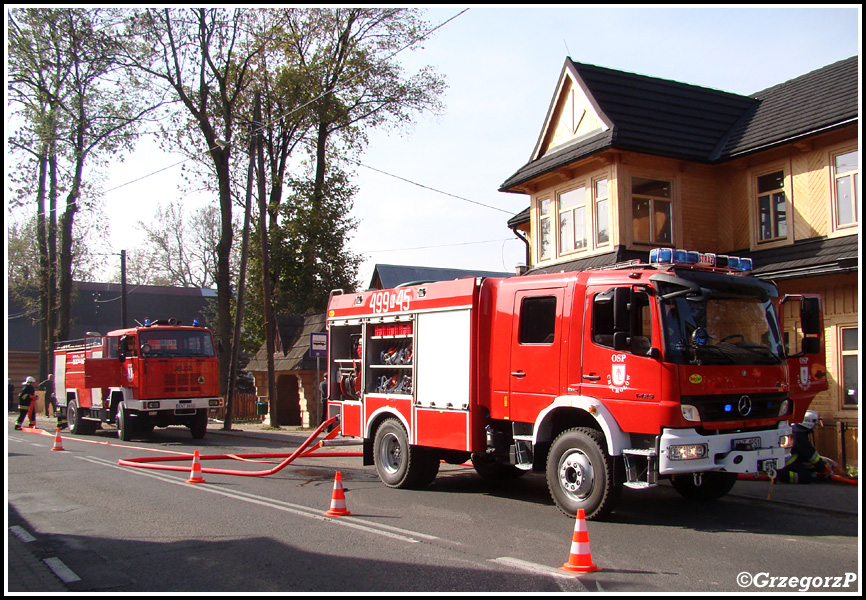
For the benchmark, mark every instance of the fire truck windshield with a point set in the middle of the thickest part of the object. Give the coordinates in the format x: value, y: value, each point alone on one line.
x: 716, y: 322
x: 171, y: 343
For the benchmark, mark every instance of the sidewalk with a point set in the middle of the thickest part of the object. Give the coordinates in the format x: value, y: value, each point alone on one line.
x: 26, y: 572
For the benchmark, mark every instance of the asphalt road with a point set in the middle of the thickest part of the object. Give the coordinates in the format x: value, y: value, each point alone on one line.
x: 124, y: 529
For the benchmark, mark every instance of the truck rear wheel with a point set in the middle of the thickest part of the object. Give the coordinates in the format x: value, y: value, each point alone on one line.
x: 399, y: 464
x: 711, y: 485
x: 77, y: 425
x: 580, y: 474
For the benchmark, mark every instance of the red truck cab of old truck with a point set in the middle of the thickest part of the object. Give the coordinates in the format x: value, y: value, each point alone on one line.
x: 599, y: 379
x: 155, y: 375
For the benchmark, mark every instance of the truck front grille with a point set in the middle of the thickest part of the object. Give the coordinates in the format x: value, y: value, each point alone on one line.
x: 726, y: 407
x: 182, y: 382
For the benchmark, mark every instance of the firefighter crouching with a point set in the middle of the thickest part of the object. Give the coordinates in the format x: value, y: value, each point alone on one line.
x: 27, y: 402
x: 805, y: 465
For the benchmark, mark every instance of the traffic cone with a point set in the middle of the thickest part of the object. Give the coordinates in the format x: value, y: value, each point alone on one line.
x: 195, y: 475
x: 338, y: 500
x: 58, y: 444
x: 580, y: 558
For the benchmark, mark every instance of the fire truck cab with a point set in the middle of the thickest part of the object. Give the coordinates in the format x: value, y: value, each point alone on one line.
x: 156, y: 375
x: 598, y: 379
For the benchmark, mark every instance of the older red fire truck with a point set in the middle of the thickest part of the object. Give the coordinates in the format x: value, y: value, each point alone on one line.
x: 155, y: 375
x: 601, y: 379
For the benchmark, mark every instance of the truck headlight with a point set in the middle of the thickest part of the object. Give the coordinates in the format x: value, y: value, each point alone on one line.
x: 215, y: 402
x: 783, y: 408
x: 690, y: 413
x: 786, y: 441
x: 688, y: 452
x: 151, y: 405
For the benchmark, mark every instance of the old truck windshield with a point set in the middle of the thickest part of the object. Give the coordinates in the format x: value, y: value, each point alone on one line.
x: 169, y: 343
x: 723, y: 325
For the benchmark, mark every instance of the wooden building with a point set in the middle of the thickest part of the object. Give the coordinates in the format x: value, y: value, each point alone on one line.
x: 627, y: 162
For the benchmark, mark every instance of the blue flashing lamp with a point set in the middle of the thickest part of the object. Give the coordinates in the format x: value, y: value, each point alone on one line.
x: 147, y: 322
x: 195, y: 322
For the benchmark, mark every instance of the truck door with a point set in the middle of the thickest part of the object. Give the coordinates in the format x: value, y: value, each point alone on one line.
x: 537, y: 336
x: 807, y: 371
x: 101, y: 366
x: 619, y: 365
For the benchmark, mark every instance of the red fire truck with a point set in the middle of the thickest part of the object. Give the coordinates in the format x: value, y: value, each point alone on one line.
x: 677, y: 369
x: 156, y: 375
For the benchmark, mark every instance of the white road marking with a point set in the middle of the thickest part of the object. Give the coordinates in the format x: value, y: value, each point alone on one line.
x: 303, y: 511
x: 65, y: 574
x: 22, y: 534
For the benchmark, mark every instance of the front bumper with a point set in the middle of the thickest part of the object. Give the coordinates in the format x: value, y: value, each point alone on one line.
x: 722, y: 454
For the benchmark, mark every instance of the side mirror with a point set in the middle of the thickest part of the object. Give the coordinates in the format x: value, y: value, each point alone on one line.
x: 621, y: 341
x: 810, y: 316
x: 621, y: 309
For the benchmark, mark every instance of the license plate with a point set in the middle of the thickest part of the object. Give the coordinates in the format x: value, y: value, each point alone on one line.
x: 746, y: 444
x: 182, y: 406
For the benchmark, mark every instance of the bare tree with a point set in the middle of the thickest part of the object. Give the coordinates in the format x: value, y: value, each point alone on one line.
x: 203, y: 56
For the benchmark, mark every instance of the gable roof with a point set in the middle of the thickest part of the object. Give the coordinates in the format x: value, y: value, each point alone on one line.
x: 678, y: 120
x: 389, y: 276
x: 292, y: 344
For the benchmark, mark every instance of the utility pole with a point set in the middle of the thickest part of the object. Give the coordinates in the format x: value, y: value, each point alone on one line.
x: 270, y: 325
x: 123, y: 320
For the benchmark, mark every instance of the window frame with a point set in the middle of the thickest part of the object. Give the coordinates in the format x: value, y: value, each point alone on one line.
x: 755, y: 203
x: 589, y: 207
x: 652, y: 199
x: 842, y: 352
x: 834, y: 190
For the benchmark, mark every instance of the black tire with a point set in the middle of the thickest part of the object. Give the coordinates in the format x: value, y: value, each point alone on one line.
x: 430, y: 468
x: 399, y: 464
x: 76, y: 424
x: 125, y: 423
x: 713, y: 485
x: 198, y: 427
x: 580, y: 474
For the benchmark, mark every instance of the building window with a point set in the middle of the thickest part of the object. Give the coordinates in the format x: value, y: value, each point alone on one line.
x: 850, y: 379
x: 772, y: 207
x: 651, y: 211
x: 545, y: 248
x: 846, y: 179
x: 602, y: 213
x: 572, y: 220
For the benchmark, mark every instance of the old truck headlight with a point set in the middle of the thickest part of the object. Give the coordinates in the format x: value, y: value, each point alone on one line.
x: 690, y: 413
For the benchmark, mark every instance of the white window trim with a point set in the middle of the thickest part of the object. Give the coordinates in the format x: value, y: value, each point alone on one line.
x: 835, y: 228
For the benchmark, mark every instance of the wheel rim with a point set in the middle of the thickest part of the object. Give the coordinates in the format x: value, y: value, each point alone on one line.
x: 576, y: 475
x: 390, y: 453
x: 71, y: 417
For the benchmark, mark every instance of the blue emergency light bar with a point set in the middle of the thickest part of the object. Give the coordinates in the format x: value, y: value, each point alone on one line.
x: 700, y: 260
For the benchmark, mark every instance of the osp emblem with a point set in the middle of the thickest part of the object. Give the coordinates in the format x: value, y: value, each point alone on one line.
x: 744, y: 406
x: 618, y: 379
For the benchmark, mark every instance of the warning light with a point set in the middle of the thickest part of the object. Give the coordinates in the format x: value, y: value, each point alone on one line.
x: 700, y: 260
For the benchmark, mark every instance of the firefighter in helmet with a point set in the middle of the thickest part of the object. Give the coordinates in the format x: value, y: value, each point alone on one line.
x: 27, y: 402
x: 804, y: 465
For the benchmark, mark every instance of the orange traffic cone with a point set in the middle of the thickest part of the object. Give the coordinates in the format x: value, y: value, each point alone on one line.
x: 58, y: 444
x: 580, y: 558
x: 338, y: 500
x: 195, y: 475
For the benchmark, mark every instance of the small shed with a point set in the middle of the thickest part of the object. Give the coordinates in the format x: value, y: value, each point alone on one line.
x: 296, y: 373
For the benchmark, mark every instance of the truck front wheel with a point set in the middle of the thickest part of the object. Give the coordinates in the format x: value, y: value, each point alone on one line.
x: 76, y: 424
x: 124, y: 423
x: 399, y: 464
x: 198, y: 427
x: 580, y: 474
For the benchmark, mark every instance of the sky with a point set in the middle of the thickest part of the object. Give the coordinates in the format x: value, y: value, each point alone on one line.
x: 502, y: 65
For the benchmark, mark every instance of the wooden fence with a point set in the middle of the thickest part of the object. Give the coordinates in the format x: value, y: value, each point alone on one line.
x: 243, y: 409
